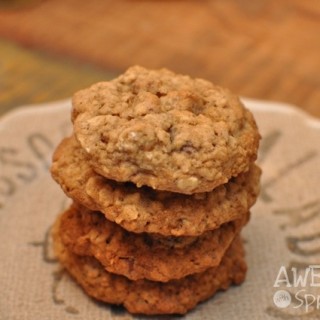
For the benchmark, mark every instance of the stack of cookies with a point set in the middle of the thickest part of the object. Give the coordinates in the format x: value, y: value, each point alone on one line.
x: 160, y: 168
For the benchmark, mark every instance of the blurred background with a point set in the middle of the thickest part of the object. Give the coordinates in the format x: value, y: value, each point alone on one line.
x: 265, y: 49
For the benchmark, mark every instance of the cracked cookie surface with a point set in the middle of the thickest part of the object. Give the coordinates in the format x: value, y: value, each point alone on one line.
x: 143, y: 256
x: 145, y: 210
x: 149, y: 297
x: 166, y: 131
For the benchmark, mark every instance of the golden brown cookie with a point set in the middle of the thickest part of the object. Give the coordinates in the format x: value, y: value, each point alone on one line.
x: 143, y: 256
x: 164, y: 130
x: 149, y: 297
x: 146, y: 210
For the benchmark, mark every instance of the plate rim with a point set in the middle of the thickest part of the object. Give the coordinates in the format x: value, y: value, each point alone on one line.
x: 254, y: 105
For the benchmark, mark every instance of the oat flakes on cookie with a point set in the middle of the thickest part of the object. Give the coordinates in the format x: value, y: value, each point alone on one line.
x: 146, y: 210
x: 165, y: 130
x: 149, y: 297
x: 143, y: 256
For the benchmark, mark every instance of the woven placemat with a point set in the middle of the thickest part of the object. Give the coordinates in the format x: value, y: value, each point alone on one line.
x: 263, y: 49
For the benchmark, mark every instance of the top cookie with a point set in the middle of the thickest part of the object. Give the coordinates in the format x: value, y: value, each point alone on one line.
x: 166, y: 131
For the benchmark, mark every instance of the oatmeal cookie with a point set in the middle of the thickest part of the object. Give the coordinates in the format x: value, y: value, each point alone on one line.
x: 166, y: 131
x: 143, y: 256
x: 149, y: 297
x: 146, y: 210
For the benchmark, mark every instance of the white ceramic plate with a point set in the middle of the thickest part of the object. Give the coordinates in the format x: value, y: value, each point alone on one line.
x: 283, y: 232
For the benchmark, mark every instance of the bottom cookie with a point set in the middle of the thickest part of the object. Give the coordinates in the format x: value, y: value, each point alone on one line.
x: 149, y: 297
